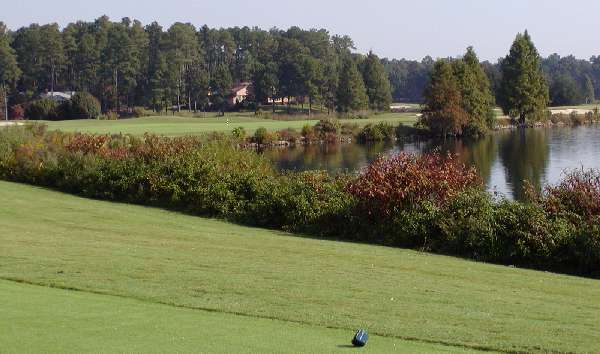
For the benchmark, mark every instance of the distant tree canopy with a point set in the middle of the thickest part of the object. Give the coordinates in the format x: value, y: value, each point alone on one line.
x: 126, y: 64
x: 458, y: 98
x: 9, y: 70
x: 409, y: 78
x: 523, y: 90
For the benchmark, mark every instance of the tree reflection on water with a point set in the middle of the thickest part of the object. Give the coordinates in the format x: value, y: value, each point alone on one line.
x: 503, y: 159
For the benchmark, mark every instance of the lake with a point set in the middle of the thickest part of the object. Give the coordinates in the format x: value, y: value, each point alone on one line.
x: 503, y: 159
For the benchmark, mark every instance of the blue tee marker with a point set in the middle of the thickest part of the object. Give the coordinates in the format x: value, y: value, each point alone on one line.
x: 360, y: 338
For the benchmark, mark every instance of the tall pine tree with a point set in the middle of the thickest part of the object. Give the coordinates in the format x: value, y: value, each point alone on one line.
x: 377, y: 83
x: 477, y: 99
x: 351, y: 91
x: 9, y: 70
x: 523, y: 90
x: 220, y: 86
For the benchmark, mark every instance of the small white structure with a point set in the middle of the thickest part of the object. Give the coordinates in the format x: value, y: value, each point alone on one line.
x: 59, y: 97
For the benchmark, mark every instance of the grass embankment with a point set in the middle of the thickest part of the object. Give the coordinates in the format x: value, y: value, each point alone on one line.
x: 162, y: 257
x: 178, y: 126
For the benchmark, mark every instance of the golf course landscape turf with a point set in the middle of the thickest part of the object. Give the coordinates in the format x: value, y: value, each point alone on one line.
x: 177, y: 126
x: 91, y: 323
x: 82, y: 275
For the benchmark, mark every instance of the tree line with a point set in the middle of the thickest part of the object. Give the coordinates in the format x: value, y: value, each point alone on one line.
x: 459, y: 101
x: 126, y: 64
x: 571, y: 81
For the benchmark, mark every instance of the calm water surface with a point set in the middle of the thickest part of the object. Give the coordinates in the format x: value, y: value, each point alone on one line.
x: 504, y: 159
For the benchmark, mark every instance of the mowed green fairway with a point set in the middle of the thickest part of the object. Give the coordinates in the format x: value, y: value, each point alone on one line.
x: 178, y: 126
x: 281, y: 290
x: 44, y: 320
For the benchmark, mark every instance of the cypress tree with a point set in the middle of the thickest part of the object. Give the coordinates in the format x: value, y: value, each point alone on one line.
x: 523, y: 90
x: 477, y: 99
x: 443, y: 111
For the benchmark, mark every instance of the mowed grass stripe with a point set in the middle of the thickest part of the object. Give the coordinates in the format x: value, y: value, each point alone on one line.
x: 150, y: 254
x: 45, y: 320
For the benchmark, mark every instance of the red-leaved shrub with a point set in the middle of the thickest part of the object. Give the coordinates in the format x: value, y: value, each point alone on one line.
x: 87, y: 144
x: 578, y: 193
x: 404, y: 180
x: 17, y: 112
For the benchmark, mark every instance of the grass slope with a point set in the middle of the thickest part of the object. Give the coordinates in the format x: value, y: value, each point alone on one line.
x: 44, y: 320
x: 158, y: 256
x: 177, y: 126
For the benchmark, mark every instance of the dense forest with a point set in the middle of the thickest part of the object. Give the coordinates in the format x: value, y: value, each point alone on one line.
x: 572, y: 81
x: 126, y: 64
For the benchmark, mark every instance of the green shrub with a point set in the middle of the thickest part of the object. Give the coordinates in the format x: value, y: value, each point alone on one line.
x: 239, y: 133
x: 467, y: 226
x: 413, y: 227
x: 376, y: 132
x: 43, y: 109
x: 404, y: 131
x: 261, y: 136
x: 110, y: 115
x: 327, y: 130
x: 526, y: 235
x: 140, y: 112
x: 327, y: 126
x: 583, y: 250
x: 83, y: 106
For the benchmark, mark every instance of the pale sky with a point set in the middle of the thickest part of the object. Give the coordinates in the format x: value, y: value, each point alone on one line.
x: 391, y: 28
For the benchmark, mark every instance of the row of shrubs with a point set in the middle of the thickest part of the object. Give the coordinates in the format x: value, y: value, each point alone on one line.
x: 572, y: 119
x: 81, y: 106
x: 575, y: 118
x: 430, y: 202
x: 329, y: 131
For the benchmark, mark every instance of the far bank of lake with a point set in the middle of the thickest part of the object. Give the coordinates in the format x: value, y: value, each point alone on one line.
x: 503, y: 159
